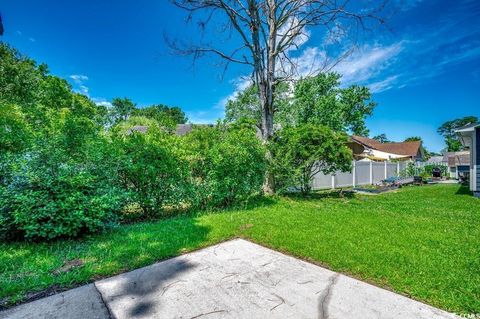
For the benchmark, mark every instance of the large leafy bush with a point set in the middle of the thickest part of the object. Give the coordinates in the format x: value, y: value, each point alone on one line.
x: 150, y: 170
x: 227, y: 165
x: 62, y: 186
x: 301, y: 152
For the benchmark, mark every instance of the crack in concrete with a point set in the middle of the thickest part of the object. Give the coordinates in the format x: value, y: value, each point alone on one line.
x: 104, y: 302
x: 324, y: 298
x: 170, y: 285
x: 282, y: 301
x: 207, y: 313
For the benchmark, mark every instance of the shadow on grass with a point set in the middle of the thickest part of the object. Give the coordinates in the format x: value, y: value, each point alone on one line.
x: 464, y: 190
x: 115, y: 250
x: 112, y: 252
x: 318, y: 195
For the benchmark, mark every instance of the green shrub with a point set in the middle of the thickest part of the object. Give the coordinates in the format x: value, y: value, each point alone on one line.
x: 150, y: 170
x: 301, y: 152
x: 50, y: 195
x: 227, y: 165
x: 429, y: 169
x: 424, y: 171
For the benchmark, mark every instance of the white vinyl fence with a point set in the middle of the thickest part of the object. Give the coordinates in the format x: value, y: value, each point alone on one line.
x: 363, y: 173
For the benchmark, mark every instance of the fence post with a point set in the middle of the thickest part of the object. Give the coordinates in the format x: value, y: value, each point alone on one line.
x: 333, y: 181
x: 398, y: 169
x: 385, y: 170
x: 371, y: 173
x: 353, y: 173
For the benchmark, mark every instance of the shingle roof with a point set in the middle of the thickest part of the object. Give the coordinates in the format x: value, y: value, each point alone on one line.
x: 183, y: 129
x: 402, y: 148
x: 138, y: 128
x: 457, y: 158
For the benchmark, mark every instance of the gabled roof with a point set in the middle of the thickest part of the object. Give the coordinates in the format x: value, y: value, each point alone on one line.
x: 457, y: 158
x: 402, y: 148
x: 183, y: 129
x: 138, y: 128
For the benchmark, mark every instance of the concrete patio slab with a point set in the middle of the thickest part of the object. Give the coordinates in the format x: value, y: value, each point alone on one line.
x: 79, y: 303
x: 239, y: 279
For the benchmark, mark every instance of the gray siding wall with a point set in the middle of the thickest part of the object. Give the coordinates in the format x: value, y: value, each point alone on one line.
x: 477, y: 160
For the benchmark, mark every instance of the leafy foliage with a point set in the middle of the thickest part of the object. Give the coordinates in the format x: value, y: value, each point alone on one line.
x: 246, y: 105
x: 382, y: 138
x: 150, y: 170
x: 122, y: 108
x: 62, y: 187
x: 320, y: 100
x: 227, y: 164
x: 317, y: 100
x: 166, y: 116
x: 447, y: 130
x: 301, y: 152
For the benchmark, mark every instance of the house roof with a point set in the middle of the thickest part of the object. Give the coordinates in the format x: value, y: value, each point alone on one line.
x: 183, y: 129
x: 437, y: 159
x: 467, y: 128
x: 402, y: 148
x: 138, y: 128
x: 457, y: 158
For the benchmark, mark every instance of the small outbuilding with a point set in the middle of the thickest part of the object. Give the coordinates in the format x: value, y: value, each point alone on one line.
x: 470, y: 138
x: 458, y: 163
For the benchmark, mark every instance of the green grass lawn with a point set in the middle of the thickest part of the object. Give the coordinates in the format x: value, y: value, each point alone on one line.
x: 423, y: 242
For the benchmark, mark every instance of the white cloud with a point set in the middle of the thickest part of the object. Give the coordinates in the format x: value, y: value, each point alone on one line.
x: 32, y: 39
x: 291, y: 28
x: 362, y: 67
x: 310, y: 61
x: 83, y: 89
x: 78, y: 78
x: 101, y: 101
x: 367, y: 62
x: 383, y: 85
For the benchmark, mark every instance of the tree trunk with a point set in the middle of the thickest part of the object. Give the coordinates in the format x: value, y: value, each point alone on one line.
x: 266, y: 90
x: 267, y: 133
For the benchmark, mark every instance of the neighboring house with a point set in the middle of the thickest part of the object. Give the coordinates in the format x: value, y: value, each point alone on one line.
x: 458, y: 163
x: 184, y: 129
x: 138, y: 128
x: 438, y: 160
x: 470, y: 137
x: 377, y: 151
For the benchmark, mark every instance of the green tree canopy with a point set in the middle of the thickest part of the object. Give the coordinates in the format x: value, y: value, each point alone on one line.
x: 447, y: 130
x: 166, y: 116
x: 382, y: 138
x: 122, y: 108
x: 301, y: 152
x: 413, y: 139
x: 246, y: 105
x: 320, y: 100
x: 317, y: 100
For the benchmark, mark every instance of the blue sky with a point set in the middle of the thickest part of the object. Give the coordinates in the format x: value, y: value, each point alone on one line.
x: 424, y: 67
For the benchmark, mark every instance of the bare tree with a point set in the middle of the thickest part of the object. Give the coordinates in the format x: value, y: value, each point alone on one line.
x: 268, y: 30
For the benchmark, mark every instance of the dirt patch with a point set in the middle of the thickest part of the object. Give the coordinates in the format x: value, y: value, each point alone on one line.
x: 68, y: 266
